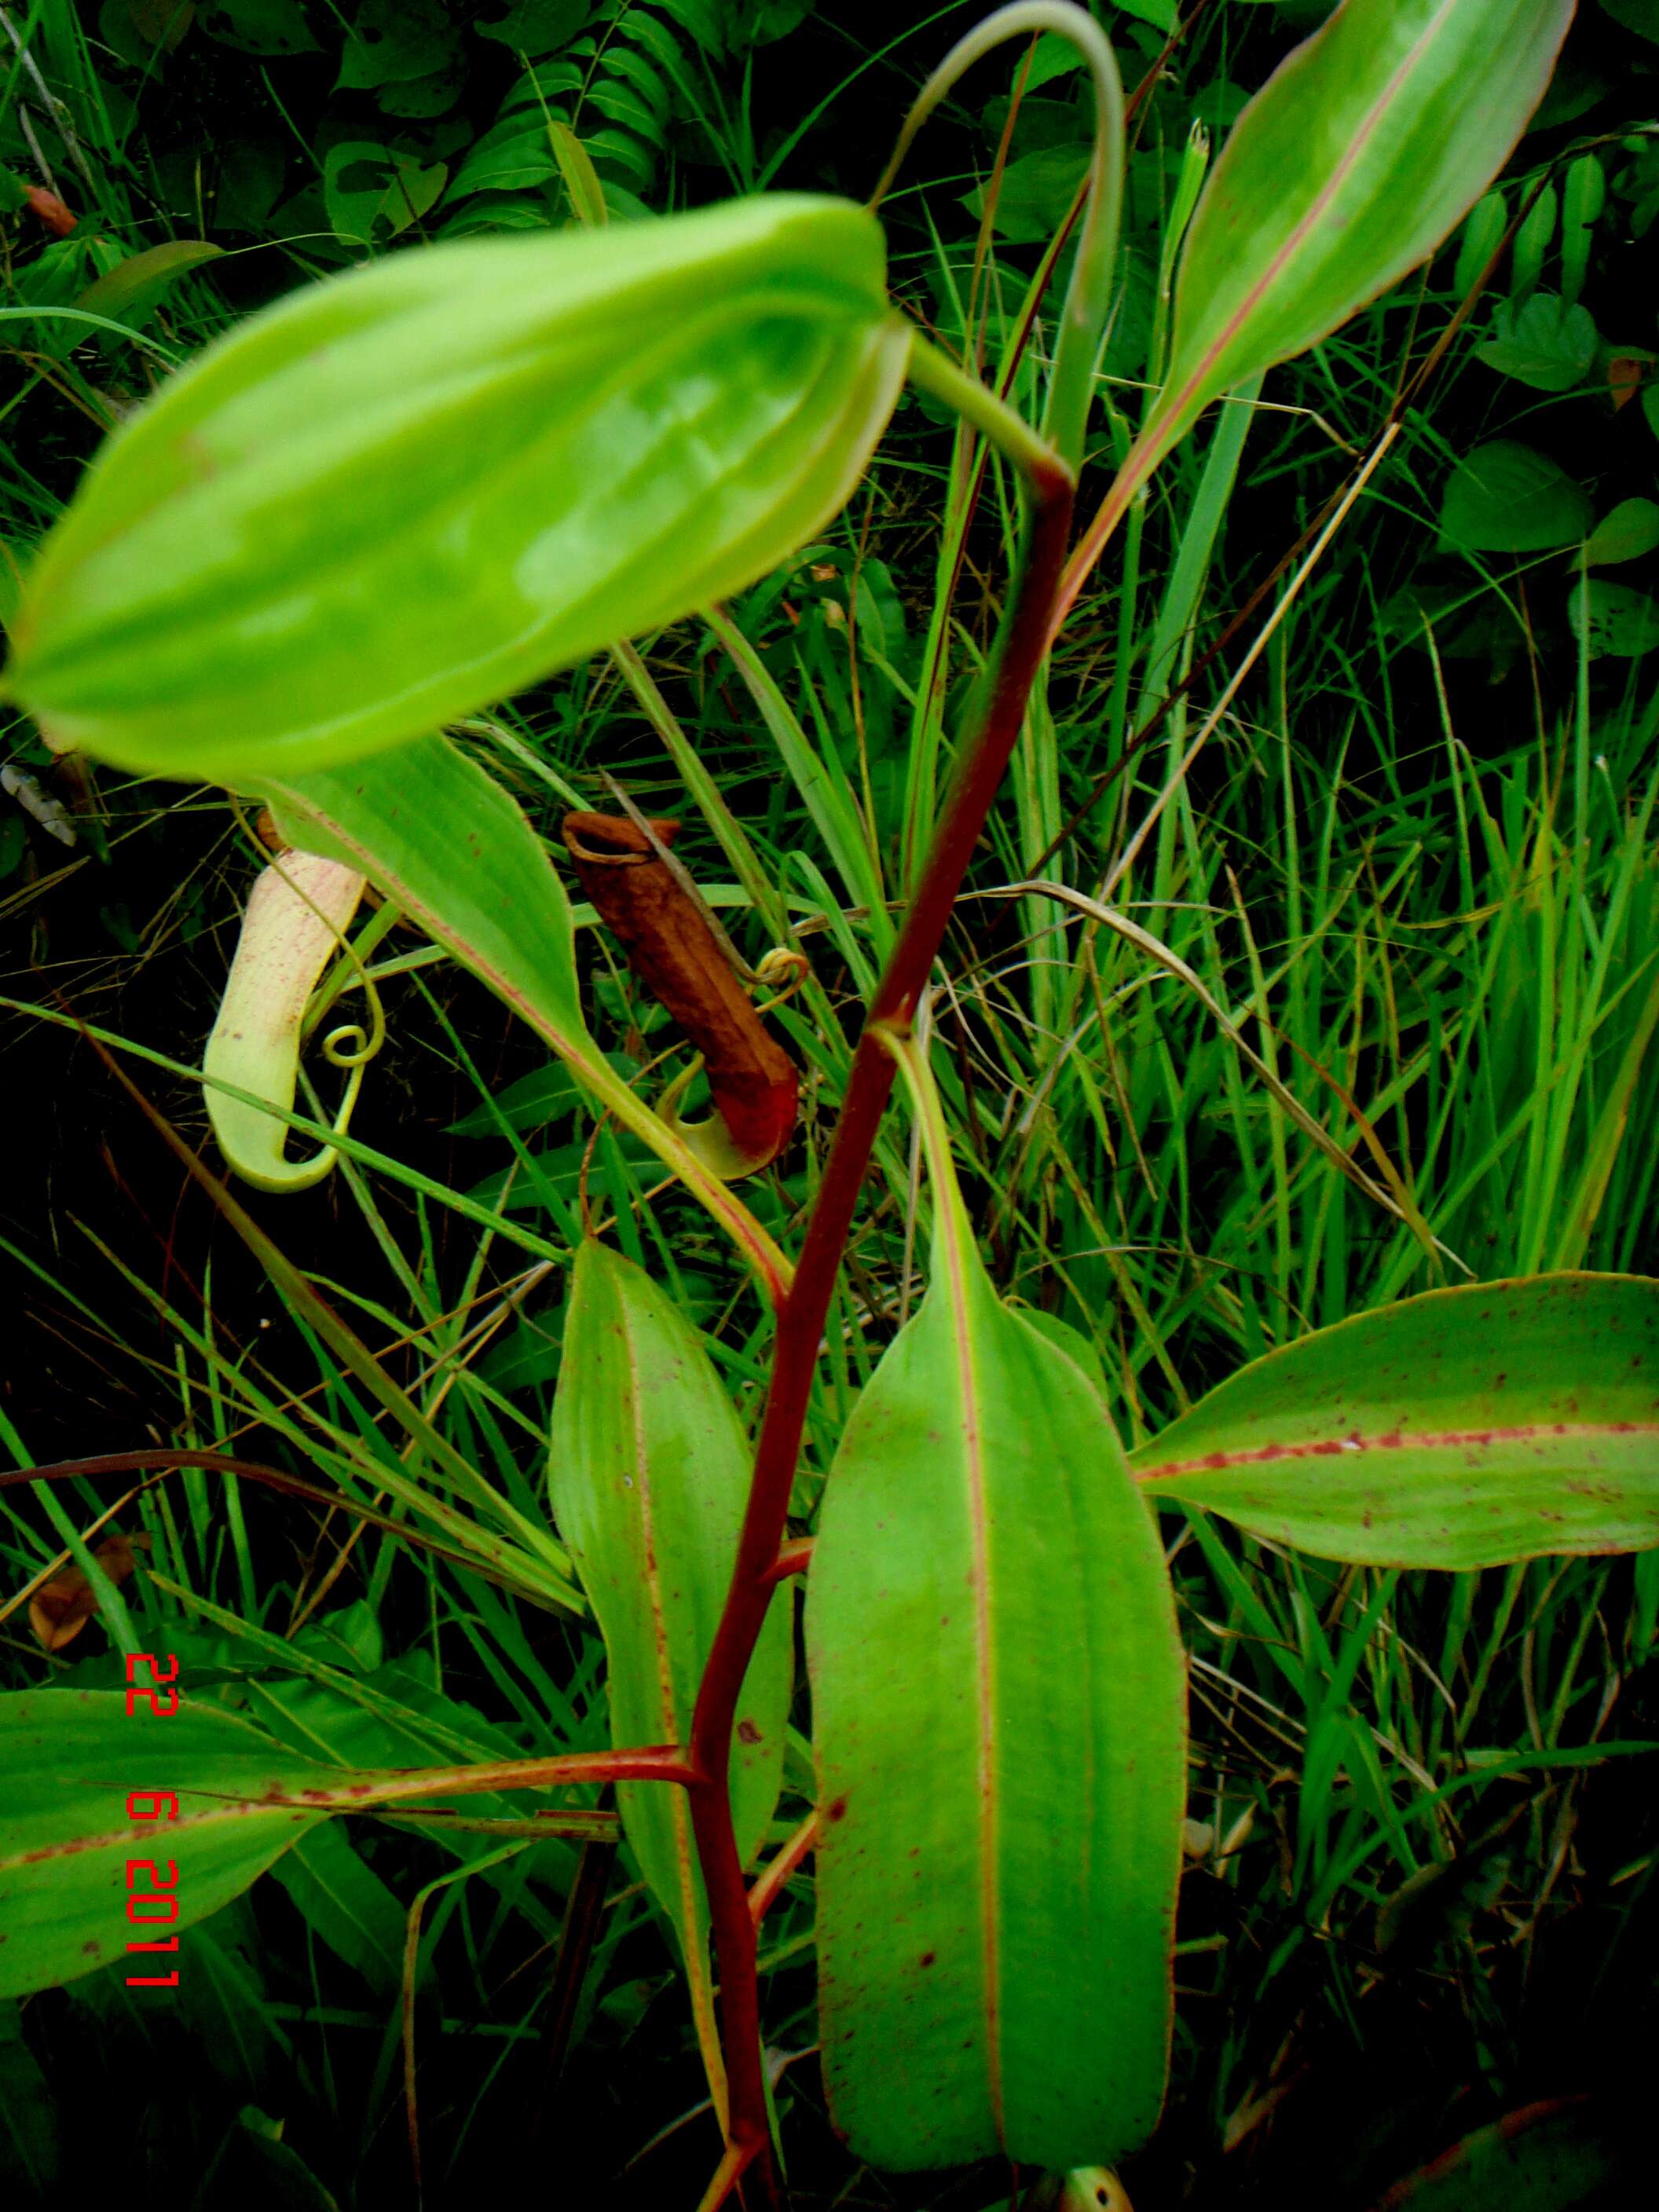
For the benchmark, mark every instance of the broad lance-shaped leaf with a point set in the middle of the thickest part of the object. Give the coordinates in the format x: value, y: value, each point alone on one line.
x: 648, y: 1474
x: 70, y: 1758
x: 443, y: 839
x: 1361, y: 151
x: 1464, y: 1428
x: 1000, y: 1727
x: 410, y: 490
x: 297, y: 914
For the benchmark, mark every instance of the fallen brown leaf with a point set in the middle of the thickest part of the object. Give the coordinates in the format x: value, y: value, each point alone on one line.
x: 61, y: 1608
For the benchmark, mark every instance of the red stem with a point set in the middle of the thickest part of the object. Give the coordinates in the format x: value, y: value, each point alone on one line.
x: 980, y: 766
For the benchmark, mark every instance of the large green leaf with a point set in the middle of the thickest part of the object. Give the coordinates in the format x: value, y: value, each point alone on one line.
x: 1363, y: 151
x: 1545, y: 341
x: 999, y: 1722
x: 1463, y: 1428
x: 410, y: 490
x: 71, y: 1758
x: 444, y: 841
x: 649, y: 1474
x: 1509, y: 498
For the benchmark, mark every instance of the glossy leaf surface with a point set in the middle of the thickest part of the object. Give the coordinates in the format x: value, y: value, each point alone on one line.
x: 648, y: 1473
x: 1363, y: 150
x: 408, y: 490
x: 1464, y: 1428
x: 999, y: 1722
x: 444, y: 842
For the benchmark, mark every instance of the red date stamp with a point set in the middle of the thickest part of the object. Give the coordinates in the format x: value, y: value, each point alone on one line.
x: 152, y: 1894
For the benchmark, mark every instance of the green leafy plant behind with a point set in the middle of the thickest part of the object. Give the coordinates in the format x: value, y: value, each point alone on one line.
x: 413, y: 489
x: 648, y: 1470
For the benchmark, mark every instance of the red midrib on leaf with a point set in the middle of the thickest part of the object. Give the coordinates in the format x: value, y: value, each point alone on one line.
x: 1395, y: 1440
x: 1328, y: 193
x: 974, y: 1456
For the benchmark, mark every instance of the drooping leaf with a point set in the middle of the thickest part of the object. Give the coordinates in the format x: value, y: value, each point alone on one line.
x: 648, y: 1472
x: 999, y: 1725
x: 251, y: 173
x: 446, y: 844
x: 546, y: 1094
x: 419, y: 97
x: 1506, y: 498
x: 297, y: 914
x: 1463, y: 1428
x: 410, y: 490
x: 127, y: 293
x: 1641, y: 16
x: 1361, y: 151
x: 1583, y: 196
x: 584, y: 187
x: 253, y: 2165
x: 157, y: 22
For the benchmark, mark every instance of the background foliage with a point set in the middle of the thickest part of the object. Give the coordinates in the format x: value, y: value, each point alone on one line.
x: 1415, y: 866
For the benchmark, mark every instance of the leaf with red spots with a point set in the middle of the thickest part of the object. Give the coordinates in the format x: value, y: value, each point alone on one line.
x: 1465, y: 1428
x: 999, y: 1723
x: 71, y: 1758
x: 200, y: 1801
x: 648, y: 1473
